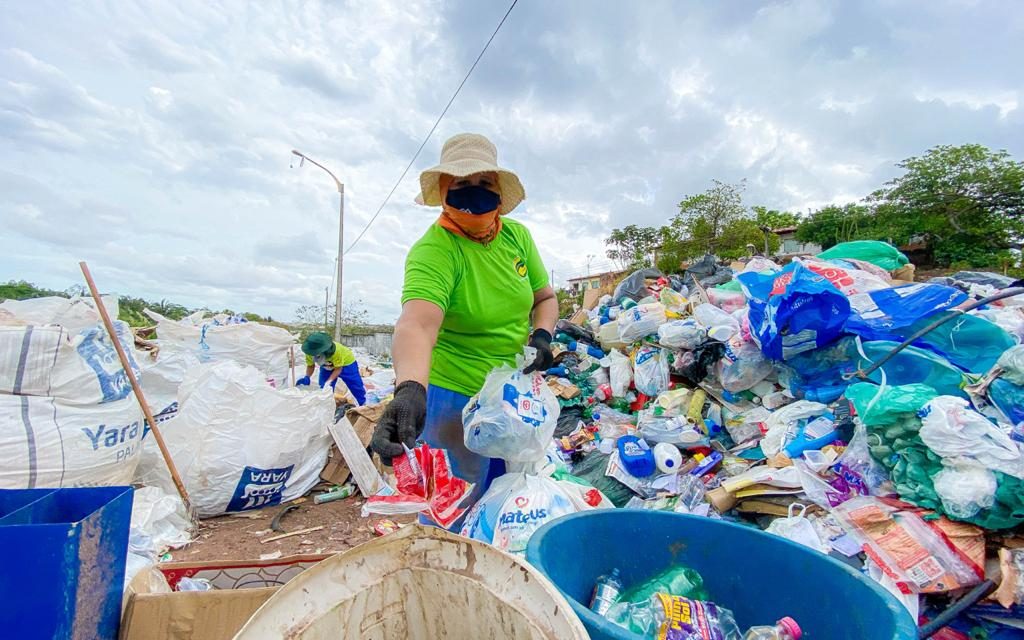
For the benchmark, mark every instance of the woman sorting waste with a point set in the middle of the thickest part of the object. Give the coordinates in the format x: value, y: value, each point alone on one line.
x: 474, y: 284
x: 335, y: 361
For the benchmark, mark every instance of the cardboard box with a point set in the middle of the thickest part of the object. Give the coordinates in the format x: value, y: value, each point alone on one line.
x: 564, y: 391
x: 240, y: 588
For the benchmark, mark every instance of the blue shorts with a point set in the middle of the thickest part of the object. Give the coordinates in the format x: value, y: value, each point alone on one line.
x: 443, y: 430
x: 352, y: 379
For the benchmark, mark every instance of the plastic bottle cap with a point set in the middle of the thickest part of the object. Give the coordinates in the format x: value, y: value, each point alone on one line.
x: 791, y: 627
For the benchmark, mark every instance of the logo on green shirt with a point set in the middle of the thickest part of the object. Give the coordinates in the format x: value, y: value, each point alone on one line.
x: 520, y: 266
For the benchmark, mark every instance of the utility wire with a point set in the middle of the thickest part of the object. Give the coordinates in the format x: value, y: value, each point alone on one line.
x: 432, y: 129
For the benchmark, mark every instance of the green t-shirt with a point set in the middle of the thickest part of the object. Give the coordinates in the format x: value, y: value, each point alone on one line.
x: 342, y: 357
x: 486, y: 293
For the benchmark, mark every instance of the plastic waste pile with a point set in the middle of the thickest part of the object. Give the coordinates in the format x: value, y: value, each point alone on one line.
x: 744, y: 393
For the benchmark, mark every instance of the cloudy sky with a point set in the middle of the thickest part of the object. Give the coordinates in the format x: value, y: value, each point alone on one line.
x: 152, y: 139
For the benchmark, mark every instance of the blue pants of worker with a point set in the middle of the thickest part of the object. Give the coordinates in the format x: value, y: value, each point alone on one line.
x: 443, y: 430
x: 352, y: 379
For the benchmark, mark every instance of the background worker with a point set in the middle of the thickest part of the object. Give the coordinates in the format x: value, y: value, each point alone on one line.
x: 473, y: 283
x: 335, y: 361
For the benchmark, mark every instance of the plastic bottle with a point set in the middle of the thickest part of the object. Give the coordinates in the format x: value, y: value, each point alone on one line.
x: 194, y: 584
x: 667, y: 458
x: 814, y: 434
x: 606, y: 592
x: 785, y: 629
x: 590, y: 350
x: 687, y: 619
x: 338, y: 493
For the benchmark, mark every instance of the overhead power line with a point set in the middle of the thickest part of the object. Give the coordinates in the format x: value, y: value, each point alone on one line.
x: 432, y: 129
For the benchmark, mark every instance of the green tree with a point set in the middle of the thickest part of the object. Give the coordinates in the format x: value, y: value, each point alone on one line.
x: 354, y: 316
x: 833, y: 224
x: 717, y: 222
x: 967, y: 200
x: 773, y: 218
x: 22, y: 290
x: 631, y: 246
x: 568, y: 302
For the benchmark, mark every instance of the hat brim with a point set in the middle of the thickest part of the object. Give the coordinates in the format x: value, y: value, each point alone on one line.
x: 512, y: 192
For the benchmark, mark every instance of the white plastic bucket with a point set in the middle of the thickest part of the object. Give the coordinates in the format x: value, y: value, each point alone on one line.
x: 417, y: 584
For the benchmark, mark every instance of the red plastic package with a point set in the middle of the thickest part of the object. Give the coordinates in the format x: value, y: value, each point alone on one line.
x: 424, y: 483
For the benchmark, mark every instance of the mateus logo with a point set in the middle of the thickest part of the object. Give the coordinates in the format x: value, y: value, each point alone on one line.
x: 518, y: 516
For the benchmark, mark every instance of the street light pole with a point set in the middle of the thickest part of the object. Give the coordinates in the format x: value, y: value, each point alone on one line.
x: 341, y: 238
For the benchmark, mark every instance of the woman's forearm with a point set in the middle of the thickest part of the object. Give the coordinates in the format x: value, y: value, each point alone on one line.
x: 413, y: 344
x: 545, y: 311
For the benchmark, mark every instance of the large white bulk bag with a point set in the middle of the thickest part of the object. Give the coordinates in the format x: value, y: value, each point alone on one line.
x: 78, y: 368
x: 241, y: 444
x: 74, y: 314
x: 46, y: 442
x: 161, y: 378
x: 251, y: 343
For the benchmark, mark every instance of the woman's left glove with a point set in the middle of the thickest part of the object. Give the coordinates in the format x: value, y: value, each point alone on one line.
x: 540, y: 340
x: 402, y: 421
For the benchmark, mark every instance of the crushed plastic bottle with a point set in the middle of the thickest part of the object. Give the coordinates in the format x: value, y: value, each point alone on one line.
x: 676, y: 618
x: 784, y: 629
x: 606, y: 592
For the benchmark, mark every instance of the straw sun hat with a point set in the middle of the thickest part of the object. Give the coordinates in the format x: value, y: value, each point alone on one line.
x: 463, y: 155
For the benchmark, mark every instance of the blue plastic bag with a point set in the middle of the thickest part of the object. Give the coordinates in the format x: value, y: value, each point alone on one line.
x: 886, y: 313
x: 970, y: 342
x: 914, y: 366
x: 1008, y: 398
x: 794, y: 310
x: 824, y: 374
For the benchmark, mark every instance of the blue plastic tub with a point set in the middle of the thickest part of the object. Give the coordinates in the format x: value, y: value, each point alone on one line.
x: 64, y: 557
x: 760, y: 577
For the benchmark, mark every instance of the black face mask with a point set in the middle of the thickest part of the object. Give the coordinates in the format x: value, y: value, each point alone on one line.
x: 473, y: 199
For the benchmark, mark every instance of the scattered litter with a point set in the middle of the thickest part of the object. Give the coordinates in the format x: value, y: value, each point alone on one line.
x: 271, y: 556
x: 292, y: 533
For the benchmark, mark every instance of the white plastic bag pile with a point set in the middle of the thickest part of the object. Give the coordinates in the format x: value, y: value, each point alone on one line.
x: 221, y: 338
x: 67, y: 414
x: 514, y: 418
x: 241, y: 444
x: 517, y: 504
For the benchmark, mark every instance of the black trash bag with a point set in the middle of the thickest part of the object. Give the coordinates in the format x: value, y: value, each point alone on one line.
x: 568, y: 419
x: 634, y: 286
x: 591, y: 468
x: 575, y: 331
x: 708, y: 273
x: 964, y: 279
x: 676, y: 282
x: 693, y: 365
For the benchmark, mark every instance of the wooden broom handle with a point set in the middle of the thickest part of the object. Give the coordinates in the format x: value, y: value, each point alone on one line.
x: 135, y: 386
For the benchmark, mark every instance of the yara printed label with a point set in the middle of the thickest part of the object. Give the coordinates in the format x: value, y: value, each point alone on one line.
x: 259, y: 488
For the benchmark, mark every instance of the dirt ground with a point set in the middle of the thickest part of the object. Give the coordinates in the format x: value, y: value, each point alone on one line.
x: 238, y: 536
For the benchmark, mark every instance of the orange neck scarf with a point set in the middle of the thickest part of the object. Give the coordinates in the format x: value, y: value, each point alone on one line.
x: 482, y: 228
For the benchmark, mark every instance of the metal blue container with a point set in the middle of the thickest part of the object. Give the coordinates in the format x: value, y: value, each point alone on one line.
x: 63, y: 570
x: 760, y: 577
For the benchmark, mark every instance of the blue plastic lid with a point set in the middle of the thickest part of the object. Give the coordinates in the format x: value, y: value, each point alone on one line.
x: 637, y: 458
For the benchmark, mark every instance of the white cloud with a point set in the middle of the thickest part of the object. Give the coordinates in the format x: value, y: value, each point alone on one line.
x: 153, y: 140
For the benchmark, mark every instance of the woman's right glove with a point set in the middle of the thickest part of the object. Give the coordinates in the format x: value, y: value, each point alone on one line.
x: 402, y: 421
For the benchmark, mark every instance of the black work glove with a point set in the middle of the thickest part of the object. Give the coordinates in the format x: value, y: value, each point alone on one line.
x: 402, y: 421
x: 540, y: 340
